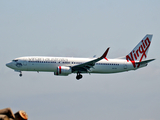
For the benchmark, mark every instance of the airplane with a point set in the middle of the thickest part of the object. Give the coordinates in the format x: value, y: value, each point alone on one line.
x: 63, y: 66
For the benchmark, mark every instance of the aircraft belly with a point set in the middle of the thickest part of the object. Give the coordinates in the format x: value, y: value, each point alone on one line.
x: 107, y: 69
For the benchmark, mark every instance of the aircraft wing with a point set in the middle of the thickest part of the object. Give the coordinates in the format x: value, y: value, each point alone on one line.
x: 85, y: 67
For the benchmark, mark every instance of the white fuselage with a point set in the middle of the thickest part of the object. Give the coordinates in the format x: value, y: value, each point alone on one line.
x: 64, y: 66
x: 50, y: 64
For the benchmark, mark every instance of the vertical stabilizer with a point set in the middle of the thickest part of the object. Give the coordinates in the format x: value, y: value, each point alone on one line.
x: 139, y: 53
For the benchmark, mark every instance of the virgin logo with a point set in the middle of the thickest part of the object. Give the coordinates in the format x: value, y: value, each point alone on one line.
x: 139, y: 53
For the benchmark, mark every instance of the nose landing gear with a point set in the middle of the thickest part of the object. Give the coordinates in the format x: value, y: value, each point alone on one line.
x: 20, y: 74
x: 79, y: 76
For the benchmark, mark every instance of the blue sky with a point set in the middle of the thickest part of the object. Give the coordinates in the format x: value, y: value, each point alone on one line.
x: 80, y: 29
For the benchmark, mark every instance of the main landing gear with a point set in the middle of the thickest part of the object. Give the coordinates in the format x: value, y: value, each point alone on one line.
x: 79, y: 76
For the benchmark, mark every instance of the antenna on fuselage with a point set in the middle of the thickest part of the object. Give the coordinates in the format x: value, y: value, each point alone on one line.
x: 94, y: 56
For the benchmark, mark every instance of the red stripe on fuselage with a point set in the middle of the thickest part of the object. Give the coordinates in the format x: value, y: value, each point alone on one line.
x: 59, y: 69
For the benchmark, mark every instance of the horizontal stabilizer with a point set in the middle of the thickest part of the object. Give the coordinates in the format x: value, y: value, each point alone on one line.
x: 144, y: 62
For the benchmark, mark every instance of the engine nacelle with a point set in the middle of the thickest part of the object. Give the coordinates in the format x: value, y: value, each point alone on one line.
x: 63, y: 71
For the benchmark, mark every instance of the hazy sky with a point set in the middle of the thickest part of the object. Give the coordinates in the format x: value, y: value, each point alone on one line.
x: 81, y: 28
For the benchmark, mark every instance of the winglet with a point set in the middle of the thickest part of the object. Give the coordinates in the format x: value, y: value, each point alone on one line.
x: 105, y: 53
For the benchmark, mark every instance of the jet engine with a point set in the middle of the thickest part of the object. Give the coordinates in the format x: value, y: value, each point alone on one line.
x: 63, y: 71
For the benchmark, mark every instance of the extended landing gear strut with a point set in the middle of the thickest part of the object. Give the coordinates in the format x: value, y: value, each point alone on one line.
x: 79, y: 76
x: 20, y: 74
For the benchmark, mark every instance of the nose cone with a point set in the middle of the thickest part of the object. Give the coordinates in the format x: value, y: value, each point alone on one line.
x: 9, y: 65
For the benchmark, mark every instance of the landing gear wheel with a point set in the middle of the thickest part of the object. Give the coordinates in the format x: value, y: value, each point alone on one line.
x: 20, y: 75
x: 79, y: 76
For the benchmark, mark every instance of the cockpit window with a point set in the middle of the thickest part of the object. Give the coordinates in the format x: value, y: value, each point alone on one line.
x: 14, y: 60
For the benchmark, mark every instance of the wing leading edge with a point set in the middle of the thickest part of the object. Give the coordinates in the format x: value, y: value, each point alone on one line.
x: 85, y: 67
